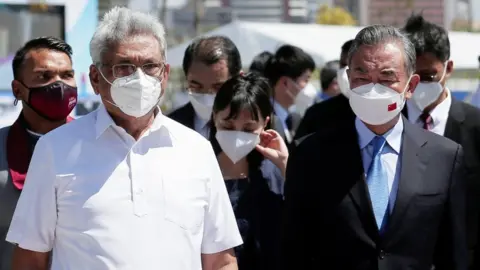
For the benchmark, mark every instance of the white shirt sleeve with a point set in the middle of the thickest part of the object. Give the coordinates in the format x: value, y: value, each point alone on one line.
x: 221, y: 230
x: 35, y: 217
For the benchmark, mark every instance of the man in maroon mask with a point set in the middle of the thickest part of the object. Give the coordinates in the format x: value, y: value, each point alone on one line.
x: 44, y: 83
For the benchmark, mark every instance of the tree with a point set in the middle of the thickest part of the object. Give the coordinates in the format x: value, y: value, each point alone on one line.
x: 334, y: 15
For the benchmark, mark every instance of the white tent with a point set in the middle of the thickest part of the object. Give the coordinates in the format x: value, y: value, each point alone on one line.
x: 323, y: 42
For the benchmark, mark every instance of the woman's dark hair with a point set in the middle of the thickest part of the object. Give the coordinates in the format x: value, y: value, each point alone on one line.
x: 245, y: 91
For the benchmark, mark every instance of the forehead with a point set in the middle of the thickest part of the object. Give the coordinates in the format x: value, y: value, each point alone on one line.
x: 378, y: 57
x: 139, y: 48
x: 208, y: 74
x: 244, y: 115
x: 428, y: 61
x: 46, y: 59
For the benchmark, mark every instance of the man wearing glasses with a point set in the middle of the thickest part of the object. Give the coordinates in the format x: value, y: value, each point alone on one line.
x: 125, y: 187
x: 208, y: 63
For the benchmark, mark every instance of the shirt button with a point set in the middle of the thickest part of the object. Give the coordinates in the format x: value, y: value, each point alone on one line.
x: 381, y: 255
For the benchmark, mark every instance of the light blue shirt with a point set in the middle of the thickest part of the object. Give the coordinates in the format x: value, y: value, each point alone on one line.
x: 282, y: 114
x: 389, y: 157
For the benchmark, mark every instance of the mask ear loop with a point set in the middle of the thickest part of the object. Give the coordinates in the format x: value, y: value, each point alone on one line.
x: 444, y: 71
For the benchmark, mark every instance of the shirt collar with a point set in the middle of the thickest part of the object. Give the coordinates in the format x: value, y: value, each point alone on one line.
x: 393, y: 136
x: 281, y: 112
x: 104, y: 121
x: 439, y: 113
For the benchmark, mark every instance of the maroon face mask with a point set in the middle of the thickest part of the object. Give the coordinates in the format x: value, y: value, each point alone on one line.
x: 54, y: 102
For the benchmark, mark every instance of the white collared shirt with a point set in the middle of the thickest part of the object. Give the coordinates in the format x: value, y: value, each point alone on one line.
x: 389, y: 156
x: 201, y: 126
x: 439, y: 115
x: 282, y: 114
x: 102, y: 200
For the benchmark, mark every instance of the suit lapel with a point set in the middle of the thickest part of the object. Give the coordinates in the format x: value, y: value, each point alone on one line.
x: 188, y: 116
x: 456, y: 116
x: 414, y: 161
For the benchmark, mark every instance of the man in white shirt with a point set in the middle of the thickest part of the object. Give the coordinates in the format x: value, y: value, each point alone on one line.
x: 125, y: 187
x: 208, y: 63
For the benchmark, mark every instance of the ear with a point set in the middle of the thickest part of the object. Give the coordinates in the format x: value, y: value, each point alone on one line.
x: 94, y: 76
x: 414, y: 80
x: 267, y: 120
x: 18, y: 90
x: 449, y: 69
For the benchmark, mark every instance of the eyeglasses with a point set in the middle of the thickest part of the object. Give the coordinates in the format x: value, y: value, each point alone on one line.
x: 124, y: 70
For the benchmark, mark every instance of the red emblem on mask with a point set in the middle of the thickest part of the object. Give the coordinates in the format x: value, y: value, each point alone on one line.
x: 392, y: 107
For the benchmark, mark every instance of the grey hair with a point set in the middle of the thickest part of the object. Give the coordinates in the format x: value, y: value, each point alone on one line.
x: 120, y: 23
x: 380, y: 34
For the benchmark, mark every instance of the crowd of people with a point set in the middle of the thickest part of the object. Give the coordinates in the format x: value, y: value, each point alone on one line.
x: 256, y: 171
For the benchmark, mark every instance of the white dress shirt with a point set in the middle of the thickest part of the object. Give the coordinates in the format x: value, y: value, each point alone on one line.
x: 201, y: 126
x: 102, y: 200
x: 389, y: 157
x: 439, y: 115
x: 282, y: 114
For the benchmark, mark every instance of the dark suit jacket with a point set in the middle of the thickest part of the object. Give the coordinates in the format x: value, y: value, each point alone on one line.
x: 184, y: 115
x: 463, y: 127
x: 329, y: 220
x: 329, y: 113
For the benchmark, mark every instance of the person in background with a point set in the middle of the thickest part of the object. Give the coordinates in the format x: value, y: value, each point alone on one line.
x: 377, y: 192
x: 334, y: 111
x: 125, y: 187
x: 44, y: 83
x: 289, y: 72
x: 208, y: 63
x: 247, y: 150
x: 328, y: 80
x: 260, y: 62
x: 434, y: 108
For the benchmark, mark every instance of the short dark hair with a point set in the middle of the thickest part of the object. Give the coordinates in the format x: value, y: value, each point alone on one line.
x: 329, y: 73
x: 49, y: 43
x: 210, y: 50
x: 244, y: 91
x: 346, y: 46
x: 428, y: 37
x: 289, y: 61
x: 260, y: 62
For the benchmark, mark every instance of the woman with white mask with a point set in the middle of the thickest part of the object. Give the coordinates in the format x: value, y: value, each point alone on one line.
x: 253, y: 160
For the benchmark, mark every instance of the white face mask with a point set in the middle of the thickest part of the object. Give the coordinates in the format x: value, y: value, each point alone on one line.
x: 343, y: 83
x: 236, y: 144
x: 428, y: 92
x: 305, y: 98
x: 202, y: 104
x: 136, y: 94
x: 376, y: 104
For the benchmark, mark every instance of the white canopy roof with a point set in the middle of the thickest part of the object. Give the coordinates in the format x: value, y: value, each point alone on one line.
x: 323, y: 42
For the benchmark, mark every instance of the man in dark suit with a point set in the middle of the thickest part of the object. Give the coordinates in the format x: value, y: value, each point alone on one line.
x: 333, y: 111
x: 378, y: 192
x: 434, y: 108
x: 289, y: 72
x: 208, y: 63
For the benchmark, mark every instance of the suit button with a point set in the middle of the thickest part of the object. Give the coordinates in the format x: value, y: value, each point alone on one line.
x: 381, y: 255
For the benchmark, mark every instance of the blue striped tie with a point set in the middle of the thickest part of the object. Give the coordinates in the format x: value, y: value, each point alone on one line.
x: 377, y: 182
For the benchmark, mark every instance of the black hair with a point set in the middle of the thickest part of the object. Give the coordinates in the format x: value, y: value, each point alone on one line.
x: 260, y: 62
x: 289, y: 61
x: 49, y: 43
x: 428, y: 37
x: 244, y: 91
x: 210, y: 50
x: 346, y: 46
x: 329, y: 73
